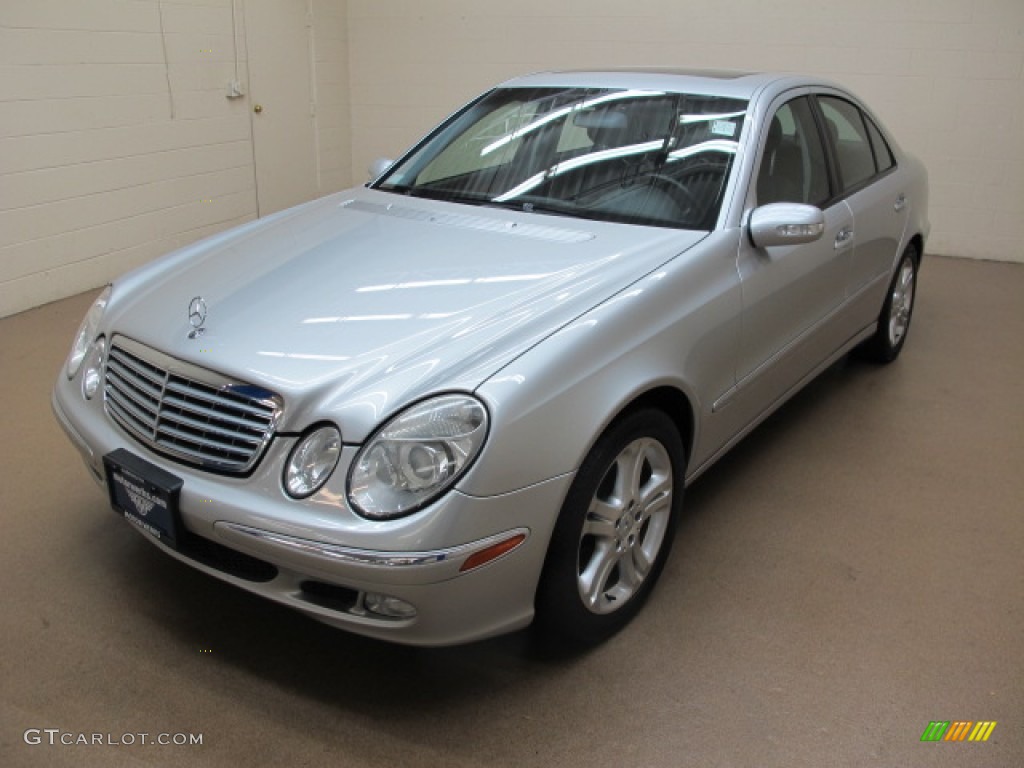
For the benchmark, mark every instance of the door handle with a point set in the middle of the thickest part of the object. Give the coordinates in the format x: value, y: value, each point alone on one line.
x: 901, y: 203
x: 258, y: 108
x: 844, y: 236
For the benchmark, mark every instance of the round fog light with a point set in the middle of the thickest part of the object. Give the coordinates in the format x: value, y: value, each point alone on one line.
x: 91, y: 379
x: 312, y: 461
x: 391, y: 607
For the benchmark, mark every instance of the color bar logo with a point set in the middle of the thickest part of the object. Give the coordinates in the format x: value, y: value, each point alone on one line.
x: 958, y: 730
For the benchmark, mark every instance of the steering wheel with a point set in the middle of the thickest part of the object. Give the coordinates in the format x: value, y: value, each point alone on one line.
x: 691, y: 203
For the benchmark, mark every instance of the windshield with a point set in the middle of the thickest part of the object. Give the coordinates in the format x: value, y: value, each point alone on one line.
x: 640, y: 157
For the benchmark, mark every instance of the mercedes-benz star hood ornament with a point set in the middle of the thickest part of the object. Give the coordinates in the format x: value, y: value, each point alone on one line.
x: 197, y: 317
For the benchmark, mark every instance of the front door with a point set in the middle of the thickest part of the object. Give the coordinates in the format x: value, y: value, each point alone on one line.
x: 790, y: 292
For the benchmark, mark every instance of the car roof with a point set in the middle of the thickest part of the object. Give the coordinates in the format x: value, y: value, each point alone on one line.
x: 728, y: 83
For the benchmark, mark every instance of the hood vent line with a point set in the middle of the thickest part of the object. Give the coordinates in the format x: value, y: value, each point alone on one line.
x: 467, y: 221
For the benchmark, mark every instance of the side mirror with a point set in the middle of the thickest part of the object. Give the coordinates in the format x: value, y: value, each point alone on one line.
x: 379, y: 167
x: 785, y: 224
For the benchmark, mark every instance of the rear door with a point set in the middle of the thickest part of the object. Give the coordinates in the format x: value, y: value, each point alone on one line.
x: 867, y: 175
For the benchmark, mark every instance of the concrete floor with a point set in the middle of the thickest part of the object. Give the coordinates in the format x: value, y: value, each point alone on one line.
x: 849, y: 573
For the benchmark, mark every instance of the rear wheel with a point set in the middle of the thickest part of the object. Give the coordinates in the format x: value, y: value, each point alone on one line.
x: 615, y: 530
x: 894, y: 319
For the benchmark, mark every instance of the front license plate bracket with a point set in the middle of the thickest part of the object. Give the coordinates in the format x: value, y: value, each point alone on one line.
x: 145, y: 495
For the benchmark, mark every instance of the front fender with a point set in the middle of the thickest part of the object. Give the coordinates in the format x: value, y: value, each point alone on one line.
x: 677, y: 326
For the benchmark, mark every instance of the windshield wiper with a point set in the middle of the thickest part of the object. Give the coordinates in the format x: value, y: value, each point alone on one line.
x: 434, y: 194
x: 403, y: 189
x: 547, y: 209
x: 524, y: 206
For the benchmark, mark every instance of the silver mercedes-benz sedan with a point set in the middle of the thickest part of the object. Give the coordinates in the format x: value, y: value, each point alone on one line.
x: 470, y: 394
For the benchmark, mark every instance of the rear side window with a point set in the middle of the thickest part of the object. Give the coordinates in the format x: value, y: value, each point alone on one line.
x: 849, y: 137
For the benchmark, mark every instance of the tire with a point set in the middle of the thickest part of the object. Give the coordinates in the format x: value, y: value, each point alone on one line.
x: 614, y: 531
x: 894, y: 319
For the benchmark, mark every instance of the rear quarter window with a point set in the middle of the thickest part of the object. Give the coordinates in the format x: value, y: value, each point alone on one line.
x: 883, y: 154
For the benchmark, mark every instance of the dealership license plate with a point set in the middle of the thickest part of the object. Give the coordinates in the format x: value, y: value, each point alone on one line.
x: 145, y: 494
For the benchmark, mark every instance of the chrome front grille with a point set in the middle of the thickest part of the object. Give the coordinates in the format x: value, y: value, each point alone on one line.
x: 186, y: 412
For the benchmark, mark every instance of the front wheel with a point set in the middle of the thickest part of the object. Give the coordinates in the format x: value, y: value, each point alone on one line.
x: 614, y: 531
x: 894, y: 319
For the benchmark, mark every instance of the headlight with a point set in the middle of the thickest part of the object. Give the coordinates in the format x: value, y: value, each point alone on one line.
x: 87, y: 333
x: 417, y: 456
x: 312, y: 461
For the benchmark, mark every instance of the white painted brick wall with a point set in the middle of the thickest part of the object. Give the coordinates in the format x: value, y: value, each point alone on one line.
x: 109, y: 158
x: 96, y: 176
x: 947, y: 76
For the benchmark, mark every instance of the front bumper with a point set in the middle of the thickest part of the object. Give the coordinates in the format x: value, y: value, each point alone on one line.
x: 318, y: 557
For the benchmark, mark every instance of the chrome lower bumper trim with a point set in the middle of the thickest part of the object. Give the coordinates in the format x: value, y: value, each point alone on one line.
x: 373, y: 558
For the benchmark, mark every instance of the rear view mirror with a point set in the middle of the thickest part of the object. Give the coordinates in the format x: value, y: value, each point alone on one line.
x: 785, y: 224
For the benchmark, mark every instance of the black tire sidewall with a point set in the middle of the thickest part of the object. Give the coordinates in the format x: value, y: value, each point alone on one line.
x: 560, y: 612
x: 879, y: 347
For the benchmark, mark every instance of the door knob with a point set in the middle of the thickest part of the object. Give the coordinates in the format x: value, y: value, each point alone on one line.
x: 258, y: 108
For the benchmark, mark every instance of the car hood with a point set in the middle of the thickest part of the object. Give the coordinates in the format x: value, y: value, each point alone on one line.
x: 355, y: 304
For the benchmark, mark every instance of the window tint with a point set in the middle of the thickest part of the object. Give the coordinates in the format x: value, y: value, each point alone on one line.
x: 793, y: 163
x: 478, y: 148
x: 849, y: 137
x: 631, y: 156
x: 883, y: 155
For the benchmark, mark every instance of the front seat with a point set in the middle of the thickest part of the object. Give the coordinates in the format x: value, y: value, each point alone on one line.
x: 781, y: 176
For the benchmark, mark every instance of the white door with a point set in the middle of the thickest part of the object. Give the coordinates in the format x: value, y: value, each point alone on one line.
x: 281, y: 94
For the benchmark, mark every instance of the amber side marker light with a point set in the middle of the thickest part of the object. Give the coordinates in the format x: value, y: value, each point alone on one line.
x: 492, y: 552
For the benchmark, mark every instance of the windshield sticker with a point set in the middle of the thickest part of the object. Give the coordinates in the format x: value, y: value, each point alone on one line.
x: 723, y: 128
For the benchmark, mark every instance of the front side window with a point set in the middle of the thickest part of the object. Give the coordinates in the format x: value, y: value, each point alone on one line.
x: 793, y: 168
x: 640, y: 157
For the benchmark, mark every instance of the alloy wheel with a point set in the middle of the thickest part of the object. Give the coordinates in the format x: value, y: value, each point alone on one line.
x: 625, y: 526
